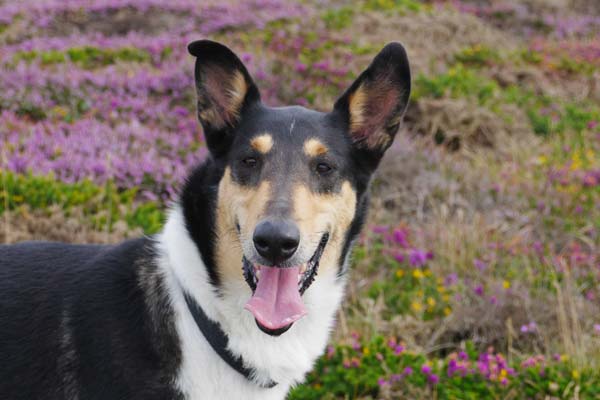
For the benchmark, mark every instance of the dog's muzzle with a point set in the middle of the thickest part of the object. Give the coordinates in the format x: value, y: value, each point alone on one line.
x: 276, y: 302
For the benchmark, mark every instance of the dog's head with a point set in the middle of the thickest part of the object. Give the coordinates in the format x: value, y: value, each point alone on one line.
x: 290, y: 182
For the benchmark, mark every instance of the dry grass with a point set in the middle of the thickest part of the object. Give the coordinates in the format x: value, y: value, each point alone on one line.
x: 450, y: 199
x: 459, y: 124
x: 431, y: 38
x: 54, y: 225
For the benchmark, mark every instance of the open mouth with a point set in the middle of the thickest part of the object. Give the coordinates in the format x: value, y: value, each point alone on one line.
x: 276, y: 301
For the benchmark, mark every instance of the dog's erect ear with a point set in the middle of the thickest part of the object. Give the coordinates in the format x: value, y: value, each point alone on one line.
x: 375, y: 103
x: 224, y: 89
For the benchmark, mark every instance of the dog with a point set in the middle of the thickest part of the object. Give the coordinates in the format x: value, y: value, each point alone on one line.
x: 236, y: 296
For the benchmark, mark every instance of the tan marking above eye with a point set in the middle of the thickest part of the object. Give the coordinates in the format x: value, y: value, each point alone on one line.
x: 314, y: 147
x: 262, y: 143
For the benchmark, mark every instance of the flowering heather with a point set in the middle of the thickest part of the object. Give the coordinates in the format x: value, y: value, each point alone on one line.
x: 211, y: 16
x: 532, y: 22
x: 154, y: 45
x: 131, y: 154
x: 478, y: 275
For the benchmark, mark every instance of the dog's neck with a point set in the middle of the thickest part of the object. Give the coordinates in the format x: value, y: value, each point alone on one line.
x: 219, y: 341
x: 284, y: 359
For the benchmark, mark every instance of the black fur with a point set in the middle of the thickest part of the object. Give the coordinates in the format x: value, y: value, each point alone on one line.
x: 286, y: 164
x: 76, y: 322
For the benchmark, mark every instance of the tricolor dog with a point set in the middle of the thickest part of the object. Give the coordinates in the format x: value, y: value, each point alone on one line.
x: 236, y: 297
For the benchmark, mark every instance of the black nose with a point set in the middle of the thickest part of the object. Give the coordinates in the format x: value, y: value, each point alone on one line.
x: 276, y: 239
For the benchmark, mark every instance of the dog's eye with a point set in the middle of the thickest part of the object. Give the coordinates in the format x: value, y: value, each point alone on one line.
x: 324, y: 168
x: 250, y: 162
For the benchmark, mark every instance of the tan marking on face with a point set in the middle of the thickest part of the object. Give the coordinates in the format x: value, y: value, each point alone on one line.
x: 357, y: 105
x: 317, y: 213
x: 262, y: 143
x: 241, y: 204
x: 313, y: 147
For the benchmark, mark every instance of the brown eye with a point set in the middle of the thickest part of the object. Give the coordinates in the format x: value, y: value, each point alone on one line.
x: 324, y: 168
x: 250, y: 162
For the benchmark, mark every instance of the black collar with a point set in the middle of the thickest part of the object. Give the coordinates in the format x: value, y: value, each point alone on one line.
x: 218, y: 341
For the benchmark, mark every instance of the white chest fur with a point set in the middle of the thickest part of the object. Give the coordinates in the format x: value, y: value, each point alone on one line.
x: 285, y: 359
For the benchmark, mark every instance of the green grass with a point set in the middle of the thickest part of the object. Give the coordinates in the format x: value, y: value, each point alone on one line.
x: 41, y: 192
x: 546, y: 115
x: 88, y: 57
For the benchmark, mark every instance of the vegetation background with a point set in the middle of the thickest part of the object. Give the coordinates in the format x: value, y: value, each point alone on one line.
x: 478, y: 275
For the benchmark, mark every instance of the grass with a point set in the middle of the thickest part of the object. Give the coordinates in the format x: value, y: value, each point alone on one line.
x: 87, y: 57
x: 477, y: 275
x: 104, y: 205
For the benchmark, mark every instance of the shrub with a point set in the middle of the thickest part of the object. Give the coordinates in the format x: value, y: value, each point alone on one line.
x: 385, y: 369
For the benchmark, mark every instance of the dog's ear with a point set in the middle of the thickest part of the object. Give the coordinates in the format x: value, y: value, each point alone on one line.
x: 375, y: 103
x: 225, y: 89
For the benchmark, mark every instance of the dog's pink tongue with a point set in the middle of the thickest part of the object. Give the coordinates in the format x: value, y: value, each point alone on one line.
x: 276, y: 302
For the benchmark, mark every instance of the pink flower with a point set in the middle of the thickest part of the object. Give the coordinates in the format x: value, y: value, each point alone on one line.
x: 418, y: 258
x: 301, y: 67
x: 399, y: 257
x: 379, y: 229
x: 399, y: 237
x: 478, y: 290
x: 480, y: 265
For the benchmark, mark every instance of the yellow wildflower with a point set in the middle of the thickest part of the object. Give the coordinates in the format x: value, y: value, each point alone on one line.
x: 576, y: 162
x: 589, y: 154
x: 416, y: 306
x: 506, y: 284
x: 399, y: 273
x: 60, y: 111
x: 542, y: 160
x: 417, y: 273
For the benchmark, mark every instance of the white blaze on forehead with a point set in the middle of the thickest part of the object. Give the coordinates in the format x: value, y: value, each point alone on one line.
x: 262, y: 143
